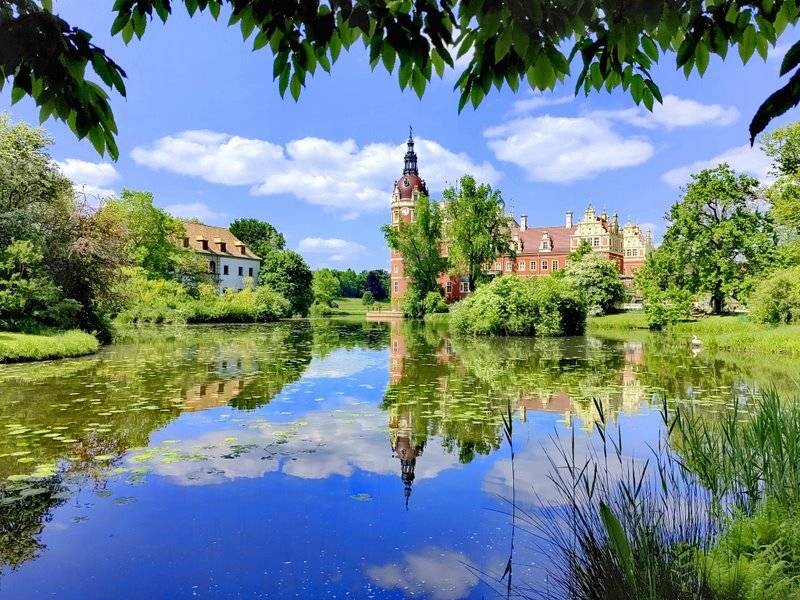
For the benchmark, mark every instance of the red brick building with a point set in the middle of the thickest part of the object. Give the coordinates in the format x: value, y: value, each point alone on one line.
x: 539, y: 250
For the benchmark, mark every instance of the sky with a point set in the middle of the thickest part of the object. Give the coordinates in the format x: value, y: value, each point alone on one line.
x: 205, y: 130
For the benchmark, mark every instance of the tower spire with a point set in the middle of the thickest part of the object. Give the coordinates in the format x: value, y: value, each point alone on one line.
x: 410, y: 167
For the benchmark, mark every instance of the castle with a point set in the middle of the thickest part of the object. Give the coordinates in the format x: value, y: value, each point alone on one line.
x: 539, y: 250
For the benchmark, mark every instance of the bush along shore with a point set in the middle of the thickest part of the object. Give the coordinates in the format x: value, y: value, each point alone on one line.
x: 19, y: 347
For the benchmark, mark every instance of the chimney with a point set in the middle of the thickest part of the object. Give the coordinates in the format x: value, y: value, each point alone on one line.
x: 568, y: 220
x: 523, y: 222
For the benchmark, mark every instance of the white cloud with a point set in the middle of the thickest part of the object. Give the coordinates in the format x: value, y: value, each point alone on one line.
x: 744, y: 158
x: 332, y: 249
x: 339, y: 176
x: 195, y: 210
x: 538, y: 101
x: 674, y: 112
x: 89, y: 178
x: 565, y: 149
x: 430, y: 572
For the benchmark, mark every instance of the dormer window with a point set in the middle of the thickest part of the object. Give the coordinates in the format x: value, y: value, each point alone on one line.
x: 204, y: 244
x: 186, y: 242
x: 223, y: 247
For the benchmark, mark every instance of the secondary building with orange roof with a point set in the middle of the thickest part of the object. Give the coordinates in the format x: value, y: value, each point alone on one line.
x: 230, y: 262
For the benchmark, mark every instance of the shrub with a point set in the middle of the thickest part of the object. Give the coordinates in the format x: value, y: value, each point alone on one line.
x: 368, y: 298
x: 155, y: 301
x: 598, y: 278
x: 522, y: 306
x: 434, y: 303
x: 776, y: 300
x: 321, y: 310
x: 662, y: 308
x: 412, y: 305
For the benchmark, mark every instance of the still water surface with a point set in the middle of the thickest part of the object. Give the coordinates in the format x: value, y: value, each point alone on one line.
x: 313, y: 459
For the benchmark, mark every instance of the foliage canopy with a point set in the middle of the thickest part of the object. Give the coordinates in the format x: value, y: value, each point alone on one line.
x: 614, y: 42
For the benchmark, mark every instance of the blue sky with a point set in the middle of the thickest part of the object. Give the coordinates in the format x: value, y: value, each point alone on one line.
x: 204, y: 129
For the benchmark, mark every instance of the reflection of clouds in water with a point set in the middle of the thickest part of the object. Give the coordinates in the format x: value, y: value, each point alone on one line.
x: 534, y: 471
x: 431, y: 572
x: 316, y: 446
x: 339, y: 364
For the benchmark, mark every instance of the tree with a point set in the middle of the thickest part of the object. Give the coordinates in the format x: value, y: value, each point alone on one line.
x: 153, y: 240
x: 350, y: 285
x: 716, y: 239
x: 377, y: 282
x: 783, y: 147
x: 476, y: 228
x: 529, y: 43
x: 598, y: 278
x: 261, y: 237
x: 288, y: 274
x: 368, y: 299
x: 584, y: 248
x: 325, y: 286
x: 419, y: 241
x: 81, y: 250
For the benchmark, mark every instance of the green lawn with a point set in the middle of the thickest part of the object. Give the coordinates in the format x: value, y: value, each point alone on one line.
x: 17, y: 347
x: 354, y: 306
x: 727, y: 332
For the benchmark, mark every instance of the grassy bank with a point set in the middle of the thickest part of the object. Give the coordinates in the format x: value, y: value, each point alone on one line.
x: 355, y: 307
x: 728, y: 332
x: 17, y: 347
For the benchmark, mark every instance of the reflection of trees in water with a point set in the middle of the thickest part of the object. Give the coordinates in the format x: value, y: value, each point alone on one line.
x: 22, y: 519
x: 458, y: 388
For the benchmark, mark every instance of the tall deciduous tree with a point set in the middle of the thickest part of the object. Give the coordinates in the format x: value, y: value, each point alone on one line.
x: 508, y: 43
x: 377, y: 283
x: 325, y: 286
x: 287, y: 273
x: 261, y: 237
x: 476, y: 227
x: 420, y: 243
x: 783, y: 147
x: 716, y: 239
x: 598, y: 279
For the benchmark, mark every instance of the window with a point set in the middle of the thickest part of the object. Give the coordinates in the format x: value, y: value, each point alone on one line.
x: 396, y: 287
x: 250, y: 272
x: 533, y: 265
x: 204, y: 243
x: 396, y: 270
x: 635, y: 252
x: 185, y: 242
x: 521, y: 265
x: 595, y: 242
x: 449, y: 287
x: 464, y: 287
x: 241, y: 271
x: 222, y: 247
x: 544, y: 265
x: 509, y: 265
x: 555, y: 265
x: 497, y: 266
x: 225, y: 270
x: 242, y: 249
x: 212, y: 268
x: 627, y: 252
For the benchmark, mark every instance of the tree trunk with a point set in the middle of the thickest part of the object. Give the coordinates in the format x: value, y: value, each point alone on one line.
x: 717, y: 299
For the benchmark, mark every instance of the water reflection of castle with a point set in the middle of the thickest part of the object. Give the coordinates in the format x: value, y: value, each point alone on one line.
x: 621, y: 394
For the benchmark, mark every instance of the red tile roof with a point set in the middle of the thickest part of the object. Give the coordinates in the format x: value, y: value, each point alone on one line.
x: 532, y: 236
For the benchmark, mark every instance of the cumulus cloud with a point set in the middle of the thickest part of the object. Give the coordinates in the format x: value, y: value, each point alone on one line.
x: 332, y: 249
x: 430, y: 572
x: 741, y: 158
x: 538, y: 101
x: 337, y: 175
x: 90, y: 178
x: 565, y: 149
x: 195, y: 210
x: 674, y: 112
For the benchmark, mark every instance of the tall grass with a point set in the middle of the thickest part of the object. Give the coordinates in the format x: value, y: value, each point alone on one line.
x: 627, y: 529
x: 746, y: 457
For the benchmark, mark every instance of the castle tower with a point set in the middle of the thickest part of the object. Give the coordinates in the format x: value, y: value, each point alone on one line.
x: 405, y: 193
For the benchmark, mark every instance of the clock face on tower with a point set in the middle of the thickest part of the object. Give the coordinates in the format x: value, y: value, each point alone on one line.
x: 405, y: 211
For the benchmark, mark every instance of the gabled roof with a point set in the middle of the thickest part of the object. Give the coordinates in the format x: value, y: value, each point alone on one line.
x: 531, y: 237
x: 197, y: 232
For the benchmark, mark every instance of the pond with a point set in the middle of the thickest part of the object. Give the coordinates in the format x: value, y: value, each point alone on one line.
x: 315, y: 459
